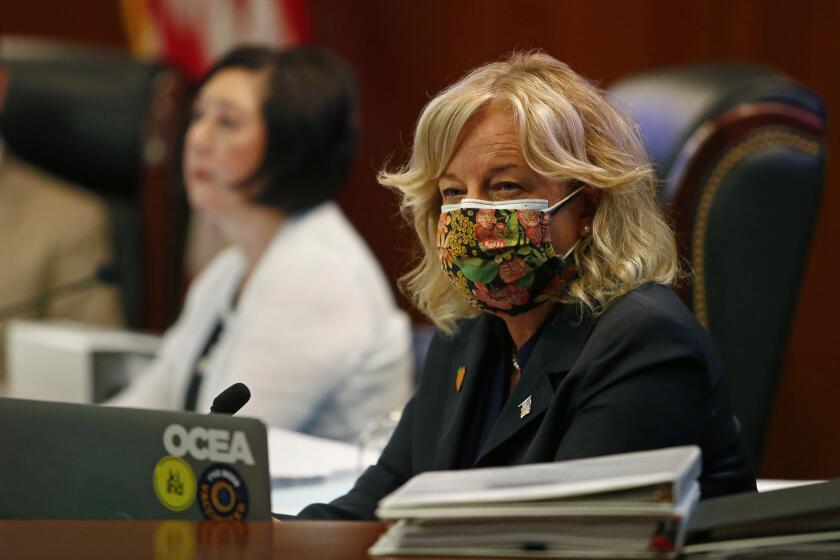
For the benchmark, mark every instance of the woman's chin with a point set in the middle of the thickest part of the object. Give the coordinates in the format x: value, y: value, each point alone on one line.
x: 206, y: 198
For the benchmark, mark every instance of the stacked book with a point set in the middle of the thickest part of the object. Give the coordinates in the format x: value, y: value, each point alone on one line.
x: 632, y: 505
x: 800, y: 522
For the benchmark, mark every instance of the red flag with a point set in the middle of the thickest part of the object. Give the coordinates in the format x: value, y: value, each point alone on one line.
x: 191, y: 34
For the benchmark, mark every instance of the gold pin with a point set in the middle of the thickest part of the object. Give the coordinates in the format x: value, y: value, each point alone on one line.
x: 525, y: 407
x: 459, y: 378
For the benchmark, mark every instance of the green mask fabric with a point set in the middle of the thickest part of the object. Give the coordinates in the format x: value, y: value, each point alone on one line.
x: 498, y: 254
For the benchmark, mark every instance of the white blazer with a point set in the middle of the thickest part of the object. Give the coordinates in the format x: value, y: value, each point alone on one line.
x: 316, y: 335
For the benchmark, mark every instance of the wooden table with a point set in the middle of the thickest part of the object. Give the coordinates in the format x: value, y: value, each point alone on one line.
x: 185, y: 540
x: 191, y: 540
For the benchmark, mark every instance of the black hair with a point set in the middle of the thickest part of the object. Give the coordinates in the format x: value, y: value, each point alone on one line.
x: 310, y: 112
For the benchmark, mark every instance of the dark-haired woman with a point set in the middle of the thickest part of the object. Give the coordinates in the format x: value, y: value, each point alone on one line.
x: 297, y: 308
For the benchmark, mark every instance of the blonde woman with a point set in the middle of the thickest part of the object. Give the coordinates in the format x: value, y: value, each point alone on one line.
x: 547, y: 269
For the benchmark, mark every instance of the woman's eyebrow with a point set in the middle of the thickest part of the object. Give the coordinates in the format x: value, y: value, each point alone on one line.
x: 220, y: 102
x: 450, y: 176
x: 495, y: 170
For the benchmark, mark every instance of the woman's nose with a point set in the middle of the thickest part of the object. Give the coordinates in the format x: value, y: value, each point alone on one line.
x: 199, y: 136
x: 475, y: 190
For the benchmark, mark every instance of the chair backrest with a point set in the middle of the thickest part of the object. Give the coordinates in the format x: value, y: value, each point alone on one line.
x: 113, y: 125
x: 740, y: 155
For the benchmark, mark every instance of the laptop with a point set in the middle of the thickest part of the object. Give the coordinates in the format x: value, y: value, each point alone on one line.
x: 81, y: 461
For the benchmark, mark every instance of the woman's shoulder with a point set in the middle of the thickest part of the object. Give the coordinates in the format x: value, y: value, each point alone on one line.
x: 648, y: 330
x: 319, y: 238
x: 652, y: 300
x: 464, y: 330
x: 651, y: 311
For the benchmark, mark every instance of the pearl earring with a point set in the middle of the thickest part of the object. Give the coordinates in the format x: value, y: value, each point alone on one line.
x: 587, y: 229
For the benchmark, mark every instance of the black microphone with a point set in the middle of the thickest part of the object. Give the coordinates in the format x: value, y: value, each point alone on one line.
x: 106, y: 273
x: 231, y: 399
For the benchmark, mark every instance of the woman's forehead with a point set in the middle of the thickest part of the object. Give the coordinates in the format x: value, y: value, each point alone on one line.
x: 234, y: 87
x: 489, y: 140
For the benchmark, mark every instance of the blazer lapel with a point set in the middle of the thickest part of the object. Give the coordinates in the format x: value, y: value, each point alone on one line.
x: 459, y: 403
x: 556, y: 351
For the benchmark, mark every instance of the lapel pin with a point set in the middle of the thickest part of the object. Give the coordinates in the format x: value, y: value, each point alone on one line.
x: 459, y: 378
x: 525, y: 407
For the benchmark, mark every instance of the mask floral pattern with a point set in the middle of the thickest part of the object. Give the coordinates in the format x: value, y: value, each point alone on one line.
x: 501, y: 259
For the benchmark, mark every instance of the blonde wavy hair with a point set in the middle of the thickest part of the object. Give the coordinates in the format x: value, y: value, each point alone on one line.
x: 567, y: 132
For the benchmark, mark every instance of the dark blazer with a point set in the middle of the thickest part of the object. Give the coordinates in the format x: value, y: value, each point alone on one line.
x: 641, y: 376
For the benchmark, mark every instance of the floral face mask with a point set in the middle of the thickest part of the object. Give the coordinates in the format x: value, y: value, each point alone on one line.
x: 499, y: 254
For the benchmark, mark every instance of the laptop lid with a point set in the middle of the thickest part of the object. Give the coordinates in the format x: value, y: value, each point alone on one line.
x: 79, y: 461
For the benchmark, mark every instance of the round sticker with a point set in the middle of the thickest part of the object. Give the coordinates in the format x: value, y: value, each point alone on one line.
x: 222, y: 494
x: 174, y: 482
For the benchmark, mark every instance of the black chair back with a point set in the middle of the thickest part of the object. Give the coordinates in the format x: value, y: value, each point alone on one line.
x: 113, y: 125
x: 740, y: 154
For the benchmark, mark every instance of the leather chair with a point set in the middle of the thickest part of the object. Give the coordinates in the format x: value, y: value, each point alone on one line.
x: 739, y: 151
x: 113, y: 125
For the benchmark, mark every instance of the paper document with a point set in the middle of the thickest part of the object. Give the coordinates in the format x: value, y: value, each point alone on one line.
x: 295, y: 456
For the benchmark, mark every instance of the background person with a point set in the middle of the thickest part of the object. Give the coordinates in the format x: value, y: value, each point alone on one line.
x: 547, y: 268
x: 297, y: 309
x: 53, y: 234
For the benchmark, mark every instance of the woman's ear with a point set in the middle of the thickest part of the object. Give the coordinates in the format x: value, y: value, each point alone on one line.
x: 591, y: 200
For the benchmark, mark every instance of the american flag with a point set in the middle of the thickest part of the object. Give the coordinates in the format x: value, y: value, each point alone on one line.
x: 191, y: 34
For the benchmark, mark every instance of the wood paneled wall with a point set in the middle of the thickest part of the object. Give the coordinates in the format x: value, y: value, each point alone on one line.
x: 95, y: 22
x: 406, y: 50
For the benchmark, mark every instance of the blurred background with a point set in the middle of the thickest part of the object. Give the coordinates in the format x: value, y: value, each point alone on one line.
x: 404, y: 52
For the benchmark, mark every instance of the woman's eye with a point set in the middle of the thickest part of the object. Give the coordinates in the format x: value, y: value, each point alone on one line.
x: 508, y: 186
x: 450, y: 192
x: 228, y: 122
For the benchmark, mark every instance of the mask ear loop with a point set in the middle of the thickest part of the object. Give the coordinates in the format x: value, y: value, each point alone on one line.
x: 554, y: 209
x: 571, y: 250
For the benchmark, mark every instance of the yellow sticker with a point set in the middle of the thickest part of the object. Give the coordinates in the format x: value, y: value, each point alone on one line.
x: 174, y: 482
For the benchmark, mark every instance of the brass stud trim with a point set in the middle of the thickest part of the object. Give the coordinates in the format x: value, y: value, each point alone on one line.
x: 754, y: 143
